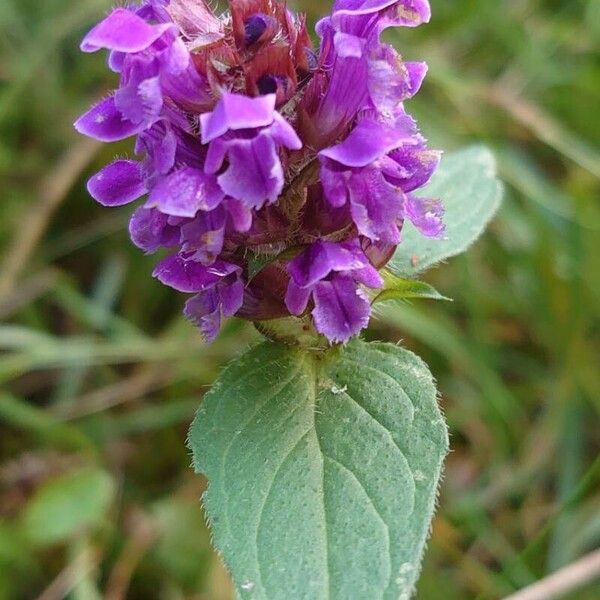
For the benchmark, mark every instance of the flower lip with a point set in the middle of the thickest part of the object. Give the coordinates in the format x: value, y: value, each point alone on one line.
x: 344, y: 8
x: 368, y: 141
x: 323, y: 258
x: 123, y: 31
x: 184, y: 192
x: 191, y: 277
x: 341, y: 309
x: 117, y: 184
x: 361, y: 7
x: 105, y: 123
x: 235, y: 112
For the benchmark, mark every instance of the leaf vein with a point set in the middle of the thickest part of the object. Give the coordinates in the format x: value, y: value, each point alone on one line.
x: 372, y: 504
x: 268, y: 493
x: 225, y: 456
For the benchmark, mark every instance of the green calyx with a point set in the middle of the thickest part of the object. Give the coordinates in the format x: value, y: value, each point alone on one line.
x: 293, y: 331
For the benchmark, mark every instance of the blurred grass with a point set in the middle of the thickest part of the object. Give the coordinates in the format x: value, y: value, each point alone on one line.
x: 100, y: 375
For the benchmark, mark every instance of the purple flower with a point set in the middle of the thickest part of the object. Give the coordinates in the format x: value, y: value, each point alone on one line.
x: 248, y: 132
x: 366, y: 169
x: 154, y: 63
x: 208, y: 308
x: 252, y: 148
x: 359, y: 71
x: 219, y: 290
x: 151, y: 230
x: 330, y: 273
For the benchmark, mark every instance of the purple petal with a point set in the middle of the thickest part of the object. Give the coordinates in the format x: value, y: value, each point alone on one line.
x: 105, y: 123
x: 161, y: 144
x: 334, y: 180
x: 154, y: 10
x: 236, y: 111
x: 416, y: 74
x: 348, y: 46
x: 411, y: 167
x: 207, y: 308
x: 123, y: 31
x: 367, y: 142
x: 190, y: 91
x: 240, y: 214
x: 376, y: 206
x: 426, y: 215
x: 224, y: 269
x: 217, y: 151
x: 361, y: 7
x: 338, y: 98
x: 117, y: 184
x: 368, y: 276
x: 391, y: 81
x: 150, y: 230
x: 255, y: 174
x: 140, y: 98
x: 176, y: 58
x: 141, y: 103
x: 321, y: 217
x: 341, y: 310
x: 296, y: 298
x: 116, y: 61
x: 280, y: 132
x: 185, y: 192
x: 407, y: 13
x: 204, y: 311
x: 203, y: 237
x: 181, y: 81
x: 284, y: 134
x: 164, y: 153
x: 321, y: 258
x: 187, y: 275
x: 232, y: 297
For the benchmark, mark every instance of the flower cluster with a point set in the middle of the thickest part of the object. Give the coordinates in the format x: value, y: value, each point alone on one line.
x: 255, y: 148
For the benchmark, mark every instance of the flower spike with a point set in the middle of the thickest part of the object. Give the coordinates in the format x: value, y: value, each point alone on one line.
x: 278, y: 176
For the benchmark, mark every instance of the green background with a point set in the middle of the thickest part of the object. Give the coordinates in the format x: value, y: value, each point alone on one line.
x: 100, y: 375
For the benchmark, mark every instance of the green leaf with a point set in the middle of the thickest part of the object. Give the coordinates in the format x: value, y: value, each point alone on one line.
x: 67, y: 505
x: 397, y: 288
x: 323, y: 470
x: 466, y: 182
